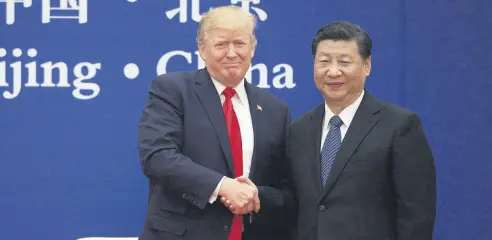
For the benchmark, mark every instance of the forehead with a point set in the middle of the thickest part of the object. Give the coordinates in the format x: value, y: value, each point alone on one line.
x: 337, y: 48
x: 224, y: 34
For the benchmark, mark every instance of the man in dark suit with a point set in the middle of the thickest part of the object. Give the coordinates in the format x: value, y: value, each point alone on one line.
x: 201, y: 131
x: 362, y: 168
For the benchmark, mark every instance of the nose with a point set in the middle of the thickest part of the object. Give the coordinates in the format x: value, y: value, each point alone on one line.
x: 231, y: 51
x: 333, y: 72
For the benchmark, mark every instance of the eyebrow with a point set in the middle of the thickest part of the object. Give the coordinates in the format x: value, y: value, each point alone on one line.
x: 329, y: 55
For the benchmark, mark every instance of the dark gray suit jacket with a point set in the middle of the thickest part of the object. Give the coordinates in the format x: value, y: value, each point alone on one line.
x: 382, y: 185
x: 184, y: 150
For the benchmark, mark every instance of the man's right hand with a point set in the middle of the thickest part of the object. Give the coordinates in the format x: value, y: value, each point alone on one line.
x: 240, y: 195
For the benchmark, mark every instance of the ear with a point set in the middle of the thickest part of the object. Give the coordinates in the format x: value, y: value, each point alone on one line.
x: 252, y: 52
x: 367, y: 66
x: 201, y: 49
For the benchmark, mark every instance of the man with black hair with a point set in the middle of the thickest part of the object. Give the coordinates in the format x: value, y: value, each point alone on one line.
x: 361, y: 168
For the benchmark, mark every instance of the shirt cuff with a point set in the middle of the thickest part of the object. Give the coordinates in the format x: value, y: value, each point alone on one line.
x: 215, y: 194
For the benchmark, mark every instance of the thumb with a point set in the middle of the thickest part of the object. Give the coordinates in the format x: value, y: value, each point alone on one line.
x: 246, y: 180
x: 242, y: 178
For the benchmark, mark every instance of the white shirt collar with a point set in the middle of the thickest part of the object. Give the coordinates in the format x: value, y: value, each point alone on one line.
x: 240, y: 90
x: 347, y: 114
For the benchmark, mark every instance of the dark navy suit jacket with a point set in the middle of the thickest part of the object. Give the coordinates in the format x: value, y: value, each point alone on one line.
x: 184, y: 151
x: 382, y: 185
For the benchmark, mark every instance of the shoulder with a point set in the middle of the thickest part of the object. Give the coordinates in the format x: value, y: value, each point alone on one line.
x: 393, y: 111
x: 305, y: 118
x: 397, y: 116
x: 173, y: 80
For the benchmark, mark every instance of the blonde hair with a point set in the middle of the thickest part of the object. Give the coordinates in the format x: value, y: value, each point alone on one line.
x: 228, y: 17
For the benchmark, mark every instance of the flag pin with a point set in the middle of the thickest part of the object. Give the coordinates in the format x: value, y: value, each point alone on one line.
x: 259, y: 108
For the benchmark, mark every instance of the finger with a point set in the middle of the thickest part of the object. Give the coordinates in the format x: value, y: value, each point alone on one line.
x: 241, y: 207
x: 251, y: 206
x: 226, y: 202
x: 257, y: 205
x: 240, y: 204
x: 242, y: 179
x: 248, y: 181
x: 257, y: 198
x: 241, y: 211
x: 238, y: 212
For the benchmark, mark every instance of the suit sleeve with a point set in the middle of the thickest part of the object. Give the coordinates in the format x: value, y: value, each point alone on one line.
x: 160, y: 140
x: 277, y: 201
x: 414, y: 180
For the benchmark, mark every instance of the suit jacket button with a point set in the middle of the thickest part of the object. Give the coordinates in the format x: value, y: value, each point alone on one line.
x: 321, y: 207
x: 226, y: 228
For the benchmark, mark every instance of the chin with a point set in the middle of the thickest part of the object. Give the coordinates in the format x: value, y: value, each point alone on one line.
x: 335, y: 96
x: 232, y: 75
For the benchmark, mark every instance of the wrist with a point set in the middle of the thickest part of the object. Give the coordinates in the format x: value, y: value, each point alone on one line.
x: 223, y: 188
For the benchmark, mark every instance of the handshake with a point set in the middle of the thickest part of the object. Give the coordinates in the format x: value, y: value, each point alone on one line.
x: 240, y: 195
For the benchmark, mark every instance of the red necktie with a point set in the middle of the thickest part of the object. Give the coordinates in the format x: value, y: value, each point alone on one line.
x: 237, y: 153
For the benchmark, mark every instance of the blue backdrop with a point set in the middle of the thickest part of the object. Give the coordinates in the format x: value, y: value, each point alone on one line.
x: 69, y: 165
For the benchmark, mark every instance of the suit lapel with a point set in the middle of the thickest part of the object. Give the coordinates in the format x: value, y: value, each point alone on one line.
x: 364, y: 120
x: 210, y: 100
x: 253, y: 100
x: 314, y: 131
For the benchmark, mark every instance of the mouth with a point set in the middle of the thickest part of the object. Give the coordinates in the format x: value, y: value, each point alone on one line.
x: 231, y: 64
x: 335, y: 84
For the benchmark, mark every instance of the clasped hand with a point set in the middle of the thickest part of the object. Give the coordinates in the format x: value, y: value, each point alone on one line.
x: 240, y: 195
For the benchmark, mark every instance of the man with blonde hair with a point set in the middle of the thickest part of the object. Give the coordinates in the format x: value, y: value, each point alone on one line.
x: 210, y: 134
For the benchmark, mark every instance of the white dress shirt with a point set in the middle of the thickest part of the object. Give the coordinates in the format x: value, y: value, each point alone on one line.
x: 347, y: 115
x: 241, y: 107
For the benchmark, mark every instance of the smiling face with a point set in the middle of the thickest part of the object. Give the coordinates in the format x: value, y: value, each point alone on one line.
x: 226, y: 42
x: 340, y: 72
x: 227, y: 53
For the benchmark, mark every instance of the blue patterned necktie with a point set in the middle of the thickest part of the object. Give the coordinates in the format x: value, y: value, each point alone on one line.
x: 330, y: 147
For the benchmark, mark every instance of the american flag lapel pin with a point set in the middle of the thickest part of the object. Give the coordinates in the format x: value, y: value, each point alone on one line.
x: 259, y: 108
